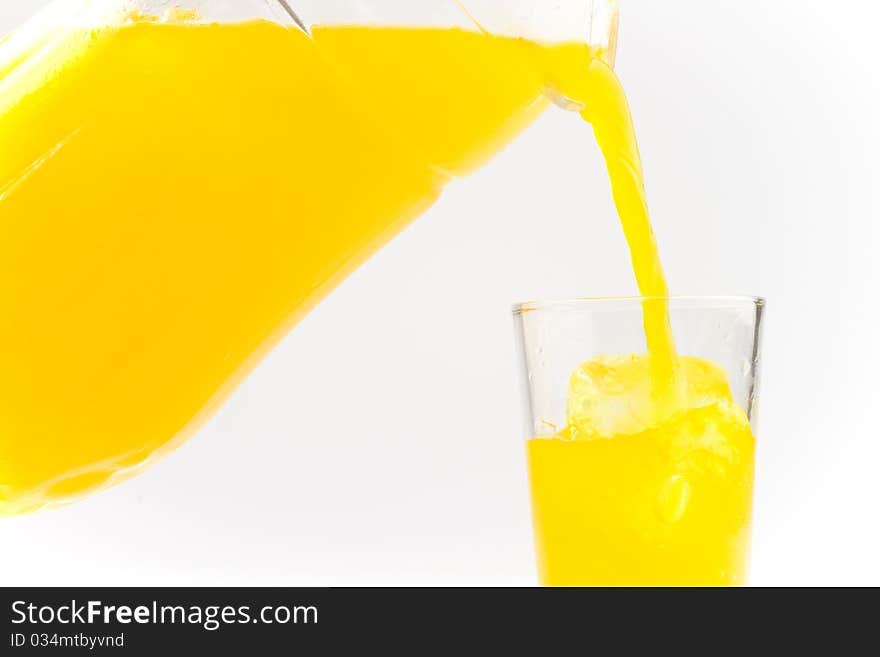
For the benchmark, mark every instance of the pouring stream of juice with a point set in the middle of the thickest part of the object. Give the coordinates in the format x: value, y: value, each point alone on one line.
x: 175, y: 196
x: 650, y: 481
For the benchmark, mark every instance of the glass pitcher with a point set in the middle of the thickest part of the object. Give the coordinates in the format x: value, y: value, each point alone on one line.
x: 180, y: 182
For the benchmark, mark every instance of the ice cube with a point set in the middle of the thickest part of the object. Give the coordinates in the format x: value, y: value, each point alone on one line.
x: 713, y: 441
x: 611, y: 396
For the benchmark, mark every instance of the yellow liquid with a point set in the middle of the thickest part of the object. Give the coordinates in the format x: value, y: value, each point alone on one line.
x: 634, y: 494
x: 650, y: 481
x: 175, y: 196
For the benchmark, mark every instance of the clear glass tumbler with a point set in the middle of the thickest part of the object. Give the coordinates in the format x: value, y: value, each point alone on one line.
x: 627, y: 490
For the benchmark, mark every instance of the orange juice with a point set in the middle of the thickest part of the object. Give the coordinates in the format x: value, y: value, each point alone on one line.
x: 633, y: 493
x: 650, y: 481
x: 174, y: 196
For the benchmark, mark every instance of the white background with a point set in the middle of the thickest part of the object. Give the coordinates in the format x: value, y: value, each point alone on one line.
x: 381, y: 443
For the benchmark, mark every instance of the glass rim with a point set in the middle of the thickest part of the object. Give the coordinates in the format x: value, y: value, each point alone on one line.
x: 709, y: 301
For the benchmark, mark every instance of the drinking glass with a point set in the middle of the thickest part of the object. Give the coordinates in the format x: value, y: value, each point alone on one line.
x: 624, y: 491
